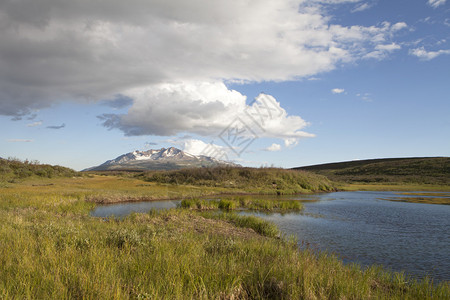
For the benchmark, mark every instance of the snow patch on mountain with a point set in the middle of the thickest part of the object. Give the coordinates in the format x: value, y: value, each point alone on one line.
x: 159, y: 159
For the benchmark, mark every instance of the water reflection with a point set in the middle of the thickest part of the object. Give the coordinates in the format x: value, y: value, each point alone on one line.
x: 124, y: 209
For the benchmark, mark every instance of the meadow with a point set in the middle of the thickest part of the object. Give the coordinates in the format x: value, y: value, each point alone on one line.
x: 242, y: 203
x: 403, y: 173
x: 51, y: 248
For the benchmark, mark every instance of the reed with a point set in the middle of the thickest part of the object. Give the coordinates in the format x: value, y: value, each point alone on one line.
x: 242, y: 203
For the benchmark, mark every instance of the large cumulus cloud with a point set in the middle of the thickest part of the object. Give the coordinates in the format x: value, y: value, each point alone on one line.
x: 163, y: 53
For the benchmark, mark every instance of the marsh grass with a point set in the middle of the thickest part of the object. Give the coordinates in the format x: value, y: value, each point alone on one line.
x: 358, y: 186
x: 50, y: 248
x: 425, y: 200
x: 434, y: 194
x: 242, y: 203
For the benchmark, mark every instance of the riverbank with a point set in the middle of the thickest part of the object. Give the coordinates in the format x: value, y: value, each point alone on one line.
x: 393, y: 187
x: 413, y: 193
x: 52, y: 248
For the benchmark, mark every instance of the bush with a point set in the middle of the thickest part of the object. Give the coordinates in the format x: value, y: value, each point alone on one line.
x: 123, y: 237
x: 13, y: 168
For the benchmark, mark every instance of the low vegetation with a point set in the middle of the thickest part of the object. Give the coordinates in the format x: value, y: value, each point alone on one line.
x: 428, y: 198
x: 242, y: 203
x: 414, y: 174
x: 252, y: 180
x: 51, y: 248
x: 12, y: 170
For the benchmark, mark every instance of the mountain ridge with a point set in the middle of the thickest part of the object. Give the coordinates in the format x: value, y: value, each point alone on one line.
x: 158, y: 159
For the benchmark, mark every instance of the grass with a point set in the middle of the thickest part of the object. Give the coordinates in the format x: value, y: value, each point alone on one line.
x: 13, y: 170
x: 426, y: 200
x: 269, y: 181
x: 108, y: 189
x: 242, y: 203
x: 392, y: 187
x: 432, y: 194
x: 50, y: 248
x: 424, y: 171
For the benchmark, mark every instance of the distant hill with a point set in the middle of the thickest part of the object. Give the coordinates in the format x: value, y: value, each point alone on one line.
x: 160, y: 159
x: 254, y: 180
x: 427, y: 170
x: 12, y: 169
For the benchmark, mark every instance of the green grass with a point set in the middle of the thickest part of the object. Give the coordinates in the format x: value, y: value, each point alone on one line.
x: 432, y: 194
x: 392, y: 187
x: 242, y: 203
x: 250, y: 180
x: 426, y: 171
x: 50, y: 248
x: 13, y: 170
x: 426, y: 200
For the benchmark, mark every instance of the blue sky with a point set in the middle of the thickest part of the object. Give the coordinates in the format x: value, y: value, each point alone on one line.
x: 346, y: 80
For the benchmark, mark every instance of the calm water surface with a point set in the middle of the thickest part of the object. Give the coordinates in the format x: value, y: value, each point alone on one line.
x: 358, y: 227
x: 124, y: 209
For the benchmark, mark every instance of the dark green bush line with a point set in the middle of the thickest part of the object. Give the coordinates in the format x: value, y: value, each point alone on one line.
x: 242, y: 202
x: 263, y: 180
x: 11, y: 169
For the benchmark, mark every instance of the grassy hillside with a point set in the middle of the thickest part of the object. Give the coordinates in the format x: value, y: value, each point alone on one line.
x: 14, y: 169
x: 424, y: 170
x: 263, y: 180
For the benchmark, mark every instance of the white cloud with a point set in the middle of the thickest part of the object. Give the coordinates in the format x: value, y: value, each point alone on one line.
x: 34, y: 124
x: 141, y: 45
x: 427, y: 55
x: 273, y: 148
x: 365, y: 97
x: 361, y: 7
x: 19, y: 141
x: 337, y: 91
x: 197, y: 147
x: 205, y: 109
x: 399, y: 26
x: 436, y: 3
x: 388, y: 47
x: 290, y: 142
x: 382, y: 50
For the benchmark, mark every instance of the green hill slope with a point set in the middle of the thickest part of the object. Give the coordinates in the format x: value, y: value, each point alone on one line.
x: 264, y: 180
x: 420, y: 170
x: 13, y: 169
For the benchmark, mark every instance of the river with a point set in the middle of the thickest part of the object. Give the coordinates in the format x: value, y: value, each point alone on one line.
x: 358, y: 227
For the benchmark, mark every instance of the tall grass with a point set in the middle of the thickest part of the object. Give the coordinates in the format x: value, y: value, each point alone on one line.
x: 242, y: 203
x: 50, y: 248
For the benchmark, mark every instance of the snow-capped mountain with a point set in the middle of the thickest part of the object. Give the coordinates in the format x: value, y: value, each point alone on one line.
x: 161, y: 159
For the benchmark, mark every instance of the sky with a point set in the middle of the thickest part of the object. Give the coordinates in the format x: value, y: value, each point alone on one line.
x: 281, y: 83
